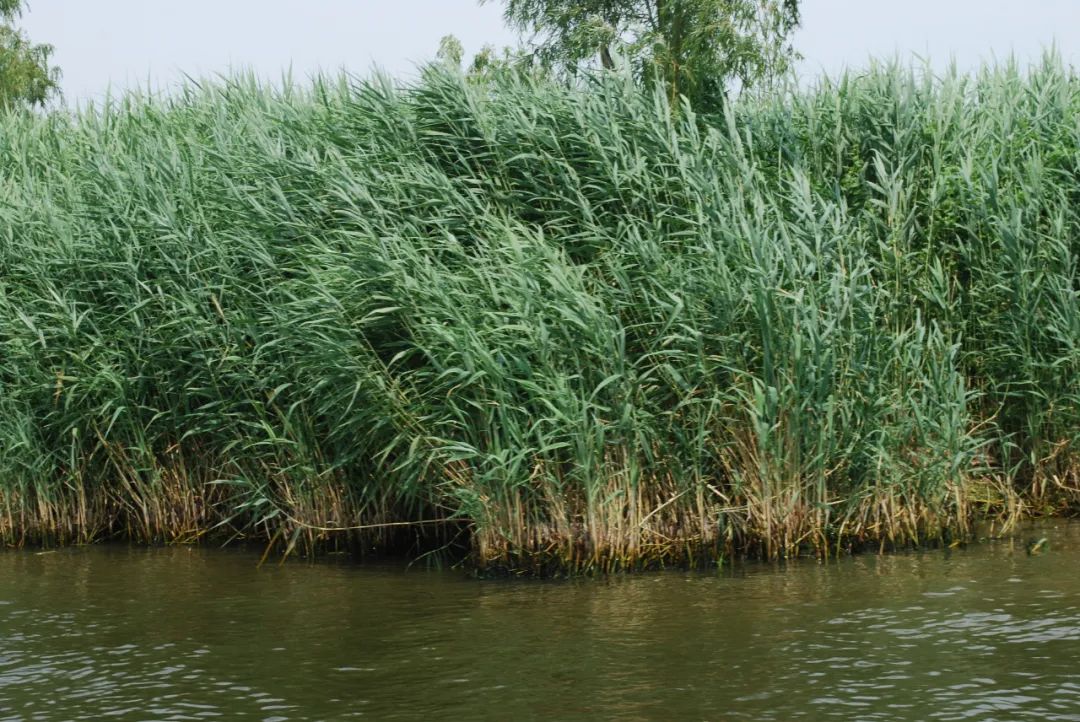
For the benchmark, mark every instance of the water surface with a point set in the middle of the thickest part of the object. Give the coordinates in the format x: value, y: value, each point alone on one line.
x: 985, y: 633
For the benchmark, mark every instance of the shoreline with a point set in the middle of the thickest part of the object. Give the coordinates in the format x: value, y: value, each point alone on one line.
x: 452, y: 543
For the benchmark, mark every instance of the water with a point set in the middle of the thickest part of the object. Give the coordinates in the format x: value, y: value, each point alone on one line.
x: 985, y: 633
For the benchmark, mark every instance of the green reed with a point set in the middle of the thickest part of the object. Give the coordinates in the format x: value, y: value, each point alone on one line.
x: 571, y: 328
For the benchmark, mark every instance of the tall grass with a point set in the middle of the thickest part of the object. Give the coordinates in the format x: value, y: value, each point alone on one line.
x: 571, y: 328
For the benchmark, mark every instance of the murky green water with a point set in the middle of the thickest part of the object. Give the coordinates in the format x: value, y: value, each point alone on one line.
x: 180, y: 634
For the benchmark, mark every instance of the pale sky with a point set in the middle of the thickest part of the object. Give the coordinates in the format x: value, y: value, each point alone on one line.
x: 122, y: 43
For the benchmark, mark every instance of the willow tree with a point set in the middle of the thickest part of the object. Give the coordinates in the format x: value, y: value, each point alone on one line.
x: 697, y: 48
x: 27, y: 77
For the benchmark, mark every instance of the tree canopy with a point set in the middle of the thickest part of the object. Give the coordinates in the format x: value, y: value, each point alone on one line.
x: 697, y: 48
x: 27, y: 77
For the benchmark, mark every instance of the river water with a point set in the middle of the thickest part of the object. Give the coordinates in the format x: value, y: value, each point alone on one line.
x: 985, y: 632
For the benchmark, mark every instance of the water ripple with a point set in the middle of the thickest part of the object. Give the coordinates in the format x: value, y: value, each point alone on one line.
x: 177, y: 634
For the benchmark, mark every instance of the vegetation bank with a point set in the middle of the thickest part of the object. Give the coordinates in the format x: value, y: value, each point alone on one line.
x: 567, y: 328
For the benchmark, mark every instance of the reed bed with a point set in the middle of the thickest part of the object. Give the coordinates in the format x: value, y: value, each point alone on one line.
x: 564, y: 328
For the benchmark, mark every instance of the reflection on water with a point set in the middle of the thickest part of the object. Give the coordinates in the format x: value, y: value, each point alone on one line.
x: 182, y: 634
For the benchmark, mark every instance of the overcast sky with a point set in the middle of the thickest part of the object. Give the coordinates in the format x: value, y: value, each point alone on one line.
x: 120, y: 43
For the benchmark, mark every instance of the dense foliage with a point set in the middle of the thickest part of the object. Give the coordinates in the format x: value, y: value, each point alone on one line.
x: 592, y: 332
x: 26, y: 76
x: 694, y: 48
